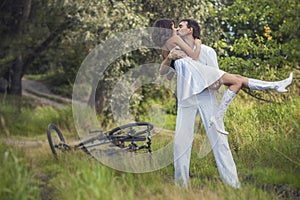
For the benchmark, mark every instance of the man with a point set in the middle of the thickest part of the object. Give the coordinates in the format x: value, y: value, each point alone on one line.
x: 204, y: 103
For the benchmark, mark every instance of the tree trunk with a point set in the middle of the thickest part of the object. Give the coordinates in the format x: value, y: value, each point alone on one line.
x: 16, y: 72
x: 16, y: 76
x: 21, y: 63
x: 15, y: 89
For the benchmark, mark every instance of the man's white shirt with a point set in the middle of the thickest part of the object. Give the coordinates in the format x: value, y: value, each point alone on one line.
x: 208, y: 56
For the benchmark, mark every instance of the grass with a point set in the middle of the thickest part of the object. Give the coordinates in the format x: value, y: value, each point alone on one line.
x: 17, y: 180
x: 264, y: 138
x: 33, y: 121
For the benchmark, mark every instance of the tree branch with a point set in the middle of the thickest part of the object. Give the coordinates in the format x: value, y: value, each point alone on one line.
x: 256, y: 97
x: 41, y: 47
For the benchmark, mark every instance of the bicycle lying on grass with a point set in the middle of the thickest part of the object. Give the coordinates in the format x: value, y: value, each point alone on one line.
x: 127, y: 137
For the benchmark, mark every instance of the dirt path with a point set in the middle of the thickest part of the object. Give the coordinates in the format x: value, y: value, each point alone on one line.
x: 40, y: 92
x: 43, y: 96
x: 25, y: 143
x: 33, y: 148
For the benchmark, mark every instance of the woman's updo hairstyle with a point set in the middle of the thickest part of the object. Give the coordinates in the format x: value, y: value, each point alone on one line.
x: 162, y: 31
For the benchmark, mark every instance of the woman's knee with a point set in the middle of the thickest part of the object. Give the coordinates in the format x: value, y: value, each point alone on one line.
x: 234, y: 80
x: 237, y: 84
x: 243, y: 81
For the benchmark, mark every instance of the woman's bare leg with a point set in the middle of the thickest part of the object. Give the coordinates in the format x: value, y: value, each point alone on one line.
x: 234, y: 82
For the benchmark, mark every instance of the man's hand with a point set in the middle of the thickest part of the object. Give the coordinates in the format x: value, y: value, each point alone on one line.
x: 176, y: 54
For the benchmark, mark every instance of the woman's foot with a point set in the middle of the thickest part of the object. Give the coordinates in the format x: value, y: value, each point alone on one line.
x: 284, y: 83
x: 219, y: 124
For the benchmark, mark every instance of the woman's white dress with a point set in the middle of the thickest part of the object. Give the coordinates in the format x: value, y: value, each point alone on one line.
x: 193, y: 77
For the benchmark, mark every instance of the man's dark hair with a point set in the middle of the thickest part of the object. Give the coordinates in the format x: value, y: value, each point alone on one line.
x: 193, y: 24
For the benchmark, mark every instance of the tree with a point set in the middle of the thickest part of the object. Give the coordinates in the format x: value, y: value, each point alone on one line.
x: 259, y: 36
x: 28, y: 28
x: 17, y: 16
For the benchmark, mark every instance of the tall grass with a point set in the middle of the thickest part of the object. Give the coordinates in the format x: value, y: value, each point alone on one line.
x: 17, y: 180
x: 264, y: 138
x: 32, y: 121
x: 266, y: 141
x: 75, y: 176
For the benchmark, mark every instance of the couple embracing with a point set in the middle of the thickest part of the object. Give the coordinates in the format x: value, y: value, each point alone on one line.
x: 198, y: 76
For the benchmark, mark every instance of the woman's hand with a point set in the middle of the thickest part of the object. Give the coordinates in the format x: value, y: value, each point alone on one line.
x: 174, y: 30
x: 170, y: 75
x: 198, y: 42
x: 176, y: 53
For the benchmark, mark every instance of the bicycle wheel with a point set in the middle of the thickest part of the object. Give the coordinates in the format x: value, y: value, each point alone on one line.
x: 56, y: 140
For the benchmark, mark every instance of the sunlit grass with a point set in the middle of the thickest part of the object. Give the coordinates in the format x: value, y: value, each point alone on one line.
x: 33, y: 121
x: 264, y: 139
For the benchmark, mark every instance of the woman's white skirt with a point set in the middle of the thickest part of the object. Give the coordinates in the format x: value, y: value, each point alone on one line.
x: 193, y: 77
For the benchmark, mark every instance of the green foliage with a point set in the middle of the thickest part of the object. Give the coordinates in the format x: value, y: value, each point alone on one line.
x: 251, y: 37
x: 263, y: 137
x: 146, y: 108
x: 265, y: 140
x: 262, y: 32
x: 32, y: 121
x: 89, y: 180
x: 17, y: 180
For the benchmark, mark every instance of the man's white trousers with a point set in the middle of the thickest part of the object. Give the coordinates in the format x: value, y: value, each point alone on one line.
x: 204, y: 104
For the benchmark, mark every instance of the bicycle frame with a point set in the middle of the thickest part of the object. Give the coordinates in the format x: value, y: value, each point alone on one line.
x: 118, y: 136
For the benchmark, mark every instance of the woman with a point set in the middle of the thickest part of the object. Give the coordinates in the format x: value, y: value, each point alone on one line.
x: 165, y: 36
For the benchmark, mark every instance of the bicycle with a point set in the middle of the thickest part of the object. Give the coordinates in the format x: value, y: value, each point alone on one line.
x: 127, y: 137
